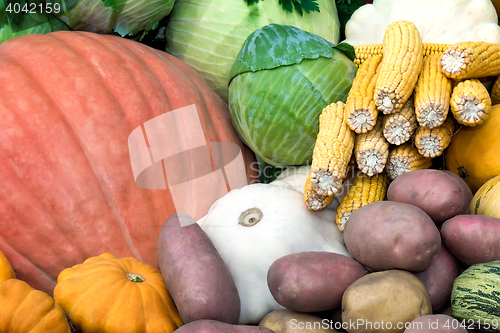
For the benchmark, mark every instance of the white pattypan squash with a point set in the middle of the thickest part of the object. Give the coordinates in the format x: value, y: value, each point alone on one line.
x: 438, y: 21
x: 253, y: 226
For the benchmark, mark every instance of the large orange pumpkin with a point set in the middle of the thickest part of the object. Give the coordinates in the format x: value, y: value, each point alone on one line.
x: 68, y: 102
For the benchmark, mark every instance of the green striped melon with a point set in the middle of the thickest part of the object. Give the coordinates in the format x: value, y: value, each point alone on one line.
x: 475, y: 298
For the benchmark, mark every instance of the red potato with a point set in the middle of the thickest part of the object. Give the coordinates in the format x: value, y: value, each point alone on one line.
x: 312, y: 281
x: 213, y: 326
x: 435, y: 323
x: 473, y: 239
x: 196, y: 276
x: 438, y: 193
x: 387, y: 235
x: 438, y: 278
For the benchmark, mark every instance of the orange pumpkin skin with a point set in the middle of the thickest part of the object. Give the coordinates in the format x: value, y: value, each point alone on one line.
x: 107, y: 294
x: 6, y: 271
x: 26, y: 310
x: 486, y: 200
x: 69, y: 102
x: 474, y: 152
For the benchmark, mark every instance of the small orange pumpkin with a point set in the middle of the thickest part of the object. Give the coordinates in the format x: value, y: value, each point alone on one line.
x: 486, y: 201
x: 116, y: 295
x: 6, y: 271
x: 26, y: 310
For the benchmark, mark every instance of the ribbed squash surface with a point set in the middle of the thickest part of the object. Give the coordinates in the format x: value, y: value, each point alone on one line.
x: 69, y: 102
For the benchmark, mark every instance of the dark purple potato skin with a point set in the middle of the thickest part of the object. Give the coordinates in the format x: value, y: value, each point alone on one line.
x: 441, y: 194
x: 312, y: 281
x: 197, y: 278
x: 387, y: 235
x: 438, y: 278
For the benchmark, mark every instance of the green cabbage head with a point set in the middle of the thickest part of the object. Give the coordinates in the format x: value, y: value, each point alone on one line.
x: 125, y: 17
x: 208, y: 34
x: 281, y: 80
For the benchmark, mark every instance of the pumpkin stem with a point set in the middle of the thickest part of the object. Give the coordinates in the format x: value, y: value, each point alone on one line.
x: 135, y: 277
x: 250, y: 217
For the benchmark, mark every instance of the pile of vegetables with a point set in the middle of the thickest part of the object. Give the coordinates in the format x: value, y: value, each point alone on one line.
x: 121, y: 210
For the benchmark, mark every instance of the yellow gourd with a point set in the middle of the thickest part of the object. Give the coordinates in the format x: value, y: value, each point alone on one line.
x: 26, y: 310
x: 112, y: 295
x: 486, y: 201
x: 6, y: 271
x: 474, y: 152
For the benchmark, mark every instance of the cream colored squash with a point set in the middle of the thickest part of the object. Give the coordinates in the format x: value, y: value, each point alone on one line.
x: 443, y: 21
x: 486, y: 200
x: 253, y: 226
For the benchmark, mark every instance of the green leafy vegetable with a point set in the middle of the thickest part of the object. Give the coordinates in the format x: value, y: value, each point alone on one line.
x: 280, y: 82
x: 300, y: 6
x: 208, y: 34
x: 24, y: 17
x: 124, y: 17
x: 348, y: 50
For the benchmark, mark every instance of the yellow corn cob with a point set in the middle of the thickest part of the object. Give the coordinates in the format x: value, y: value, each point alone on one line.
x: 312, y: 199
x: 360, y: 106
x: 332, y: 150
x: 405, y: 158
x: 431, y: 142
x: 470, y: 102
x: 400, y: 66
x: 371, y: 150
x: 432, y: 93
x: 495, y: 92
x: 364, y: 51
x: 467, y: 60
x: 362, y: 191
x: 400, y: 126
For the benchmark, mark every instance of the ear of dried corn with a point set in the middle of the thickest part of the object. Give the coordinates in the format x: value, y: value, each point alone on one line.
x: 371, y: 150
x: 470, y: 102
x: 467, y: 60
x: 332, y: 150
x: 405, y: 158
x: 400, y: 126
x: 312, y: 199
x: 432, y: 93
x: 362, y: 191
x: 360, y: 106
x: 400, y: 66
x: 431, y: 142
x: 364, y: 51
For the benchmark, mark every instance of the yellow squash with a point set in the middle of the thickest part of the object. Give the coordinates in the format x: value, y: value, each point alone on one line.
x: 112, y: 295
x: 486, y: 201
x: 474, y: 152
x: 26, y: 310
x: 6, y: 271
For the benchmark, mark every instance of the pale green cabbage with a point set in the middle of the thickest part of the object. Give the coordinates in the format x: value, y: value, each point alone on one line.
x: 208, y: 34
x: 281, y: 80
x: 125, y: 17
